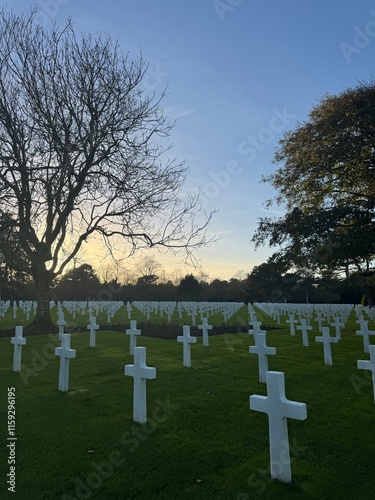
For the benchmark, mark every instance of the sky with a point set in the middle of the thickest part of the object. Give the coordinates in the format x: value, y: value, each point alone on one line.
x: 240, y: 73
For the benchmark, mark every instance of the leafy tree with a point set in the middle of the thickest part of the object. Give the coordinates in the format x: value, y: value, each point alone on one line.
x: 264, y: 283
x: 80, y: 283
x: 327, y: 182
x: 80, y: 153
x: 225, y: 291
x: 189, y: 288
x: 269, y: 282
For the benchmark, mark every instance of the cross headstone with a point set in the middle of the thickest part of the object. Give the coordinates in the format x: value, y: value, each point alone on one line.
x: 28, y: 310
x: 360, y: 319
x: 92, y: 326
x: 129, y: 309
x: 109, y: 316
x: 304, y: 329
x: 179, y: 309
x: 65, y: 353
x: 278, y: 409
x: 140, y: 373
x: 338, y: 324
x: 369, y: 365
x: 61, y: 323
x: 262, y: 350
x: 327, y: 340
x: 253, y: 316
x: 205, y: 327
x: 256, y: 327
x: 186, y: 339
x: 14, y: 309
x: 319, y: 319
x: 132, y: 331
x: 292, y: 322
x: 365, y: 332
x: 18, y: 342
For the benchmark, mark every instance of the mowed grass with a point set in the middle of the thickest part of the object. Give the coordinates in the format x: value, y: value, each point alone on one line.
x: 201, y: 440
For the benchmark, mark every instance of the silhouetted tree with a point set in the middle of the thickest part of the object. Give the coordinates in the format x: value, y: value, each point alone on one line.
x: 189, y: 288
x: 78, y: 153
x: 80, y: 283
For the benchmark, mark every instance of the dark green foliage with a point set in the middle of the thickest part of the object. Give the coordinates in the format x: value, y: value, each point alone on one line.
x: 327, y: 181
x: 80, y: 283
x: 189, y: 288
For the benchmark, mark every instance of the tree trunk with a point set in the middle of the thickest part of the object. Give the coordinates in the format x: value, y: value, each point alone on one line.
x: 42, y: 322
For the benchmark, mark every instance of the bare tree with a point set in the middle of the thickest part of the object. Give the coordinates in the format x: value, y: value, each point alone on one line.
x: 147, y: 266
x: 176, y: 275
x: 81, y: 152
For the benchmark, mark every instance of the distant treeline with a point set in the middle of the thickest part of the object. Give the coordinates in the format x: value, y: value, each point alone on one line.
x: 264, y: 284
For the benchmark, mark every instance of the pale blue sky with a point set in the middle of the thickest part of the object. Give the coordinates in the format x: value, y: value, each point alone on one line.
x: 240, y: 73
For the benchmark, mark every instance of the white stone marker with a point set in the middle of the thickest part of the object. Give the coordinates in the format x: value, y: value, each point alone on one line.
x: 292, y: 322
x: 140, y: 372
x: 14, y: 309
x: 132, y: 331
x: 205, y: 327
x: 319, y: 319
x: 369, y: 365
x: 65, y: 353
x: 256, y: 327
x: 338, y: 325
x: 129, y: 309
x: 365, y: 332
x: 278, y: 409
x: 262, y: 350
x: 92, y: 327
x: 186, y: 339
x: 304, y: 328
x: 18, y: 342
x: 327, y: 340
x: 61, y: 323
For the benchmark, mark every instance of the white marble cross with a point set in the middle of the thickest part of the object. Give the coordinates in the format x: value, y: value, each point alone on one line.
x: 262, y: 350
x: 360, y: 319
x: 132, y: 331
x: 129, y: 309
x: 304, y: 328
x: 14, y: 309
x: 61, y: 323
x: 278, y: 409
x: 327, y: 340
x: 205, y: 327
x: 365, y: 332
x: 292, y: 322
x: 338, y: 325
x: 140, y: 373
x: 65, y: 353
x: 369, y: 365
x: 253, y: 316
x: 256, y: 327
x: 186, y: 339
x: 92, y: 326
x: 18, y: 342
x: 319, y: 319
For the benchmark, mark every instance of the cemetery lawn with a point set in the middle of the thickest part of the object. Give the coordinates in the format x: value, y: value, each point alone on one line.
x: 201, y: 440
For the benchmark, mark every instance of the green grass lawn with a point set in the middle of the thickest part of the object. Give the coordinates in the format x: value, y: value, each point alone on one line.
x: 201, y: 440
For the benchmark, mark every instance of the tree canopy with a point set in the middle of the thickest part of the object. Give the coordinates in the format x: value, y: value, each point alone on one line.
x: 83, y: 151
x: 189, y: 288
x: 327, y: 182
